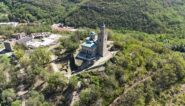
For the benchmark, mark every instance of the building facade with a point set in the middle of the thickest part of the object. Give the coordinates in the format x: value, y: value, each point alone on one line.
x: 94, y: 46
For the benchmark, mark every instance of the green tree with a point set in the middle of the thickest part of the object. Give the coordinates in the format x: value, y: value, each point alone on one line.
x: 19, y: 53
x: 36, y: 99
x: 8, y: 96
x: 16, y: 103
x: 4, y: 60
x: 40, y: 57
x: 88, y: 97
x: 56, y: 83
x: 25, y: 61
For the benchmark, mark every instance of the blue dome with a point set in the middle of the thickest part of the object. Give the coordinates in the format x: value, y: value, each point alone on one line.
x: 92, y: 34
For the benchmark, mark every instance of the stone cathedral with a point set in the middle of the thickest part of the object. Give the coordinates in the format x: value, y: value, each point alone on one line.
x: 94, y: 46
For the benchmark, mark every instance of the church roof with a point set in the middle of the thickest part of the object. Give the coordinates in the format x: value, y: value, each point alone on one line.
x: 89, y: 44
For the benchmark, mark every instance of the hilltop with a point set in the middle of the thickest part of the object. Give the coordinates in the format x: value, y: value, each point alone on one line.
x: 147, y: 68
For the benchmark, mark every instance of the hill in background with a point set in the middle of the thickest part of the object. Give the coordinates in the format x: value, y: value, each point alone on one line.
x: 143, y: 15
x: 159, y: 16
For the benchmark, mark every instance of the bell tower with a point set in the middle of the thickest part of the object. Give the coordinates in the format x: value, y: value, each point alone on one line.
x: 102, y: 41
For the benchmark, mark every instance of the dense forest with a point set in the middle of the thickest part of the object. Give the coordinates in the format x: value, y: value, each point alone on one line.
x: 148, y: 70
x: 159, y: 16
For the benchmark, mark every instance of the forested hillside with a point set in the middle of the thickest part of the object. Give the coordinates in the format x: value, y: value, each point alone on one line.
x: 148, y: 69
x: 143, y: 15
x: 159, y: 16
x: 47, y: 11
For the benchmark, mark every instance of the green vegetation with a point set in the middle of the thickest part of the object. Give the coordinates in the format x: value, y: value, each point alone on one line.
x: 4, y: 11
x: 142, y: 56
x: 70, y: 44
x: 160, y: 16
x: 148, y: 70
x: 40, y: 57
x: 8, y: 31
x: 40, y: 10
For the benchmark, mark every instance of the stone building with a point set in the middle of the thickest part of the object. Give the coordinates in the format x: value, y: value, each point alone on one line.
x: 8, y: 46
x: 102, y: 41
x: 94, y: 46
x: 18, y: 36
x: 24, y: 40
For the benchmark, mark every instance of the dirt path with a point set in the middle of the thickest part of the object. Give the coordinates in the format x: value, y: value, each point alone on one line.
x: 23, y: 102
x: 181, y: 92
x: 53, y: 65
x: 75, y: 98
x: 7, y: 76
x: 137, y: 83
x: 53, y: 58
x: 118, y: 99
x: 68, y: 75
